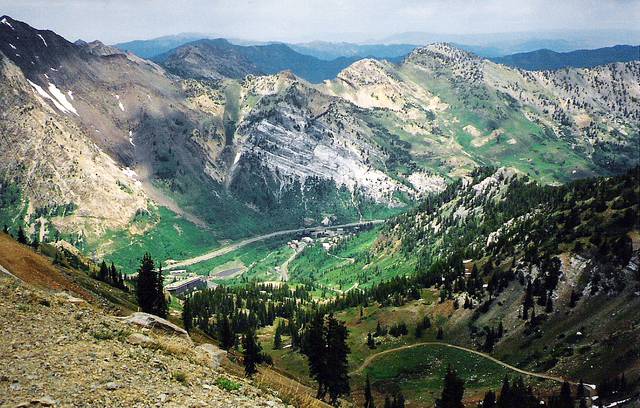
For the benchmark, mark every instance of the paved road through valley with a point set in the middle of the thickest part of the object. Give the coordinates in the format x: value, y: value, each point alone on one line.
x: 232, y: 247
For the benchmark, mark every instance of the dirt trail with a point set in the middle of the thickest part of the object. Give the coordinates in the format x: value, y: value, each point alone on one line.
x: 369, y: 359
x: 232, y: 247
x: 284, y: 268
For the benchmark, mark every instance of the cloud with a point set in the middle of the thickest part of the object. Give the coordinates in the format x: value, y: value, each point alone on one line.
x: 303, y: 20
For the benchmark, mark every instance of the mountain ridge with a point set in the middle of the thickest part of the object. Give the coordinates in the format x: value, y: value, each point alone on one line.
x: 545, y: 59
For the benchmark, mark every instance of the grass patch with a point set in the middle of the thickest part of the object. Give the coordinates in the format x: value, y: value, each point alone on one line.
x: 171, y: 237
x: 227, y: 385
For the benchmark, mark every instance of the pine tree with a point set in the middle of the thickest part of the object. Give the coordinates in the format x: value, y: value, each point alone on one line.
x: 149, y: 290
x: 371, y: 343
x: 22, y: 238
x: 398, y: 400
x: 145, y: 287
x: 378, y: 329
x: 565, y: 400
x: 225, y: 333
x: 489, y: 400
x: 162, y: 306
x: 277, y: 337
x: 336, y: 359
x: 35, y: 244
x: 549, y: 305
x: 103, y: 272
x: 368, y: 397
x: 314, y: 348
x: 452, y: 391
x: 583, y: 402
x: 187, y: 316
x: 418, y: 332
x: 252, y: 350
x: 113, y: 275
x: 504, y: 399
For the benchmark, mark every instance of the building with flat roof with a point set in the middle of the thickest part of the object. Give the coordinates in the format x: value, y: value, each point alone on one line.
x: 185, y: 286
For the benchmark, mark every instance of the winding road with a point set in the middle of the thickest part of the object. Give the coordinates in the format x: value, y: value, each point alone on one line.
x: 369, y: 359
x: 170, y: 264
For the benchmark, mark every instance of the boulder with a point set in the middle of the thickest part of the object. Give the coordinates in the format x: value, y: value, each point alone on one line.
x: 215, y: 355
x: 141, y: 340
x: 154, y: 322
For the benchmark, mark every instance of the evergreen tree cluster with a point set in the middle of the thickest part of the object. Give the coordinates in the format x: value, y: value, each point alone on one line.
x: 111, y: 276
x: 149, y: 288
x: 394, y: 401
x: 226, y: 311
x: 325, y: 346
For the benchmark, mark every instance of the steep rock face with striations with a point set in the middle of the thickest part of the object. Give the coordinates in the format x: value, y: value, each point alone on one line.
x: 299, y: 133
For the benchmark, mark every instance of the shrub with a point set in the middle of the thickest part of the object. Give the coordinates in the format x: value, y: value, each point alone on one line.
x: 227, y: 385
x: 180, y: 377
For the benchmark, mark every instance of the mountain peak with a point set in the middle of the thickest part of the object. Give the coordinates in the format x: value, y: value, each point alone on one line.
x: 365, y: 72
x: 443, y: 50
x: 99, y: 48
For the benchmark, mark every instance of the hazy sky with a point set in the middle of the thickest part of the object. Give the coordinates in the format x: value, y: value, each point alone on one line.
x: 302, y: 20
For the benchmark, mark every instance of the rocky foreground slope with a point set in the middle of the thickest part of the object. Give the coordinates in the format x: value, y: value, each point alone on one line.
x: 59, y: 350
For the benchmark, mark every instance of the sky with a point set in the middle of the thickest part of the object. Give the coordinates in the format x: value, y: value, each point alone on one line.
x: 114, y: 21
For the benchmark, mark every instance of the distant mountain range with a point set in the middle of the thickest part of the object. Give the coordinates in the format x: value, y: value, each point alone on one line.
x: 485, y: 45
x: 156, y: 46
x: 549, y: 60
x: 332, y: 50
x: 215, y: 59
x: 501, y: 44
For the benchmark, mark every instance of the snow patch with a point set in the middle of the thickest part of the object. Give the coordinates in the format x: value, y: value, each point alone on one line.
x: 131, y: 138
x: 58, y: 98
x: 129, y: 173
x: 615, y: 404
x: 70, y: 94
x: 119, y: 103
x: 42, y: 38
x: 45, y: 95
x: 12, y: 46
x: 237, y: 158
x: 4, y: 21
x: 62, y: 99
